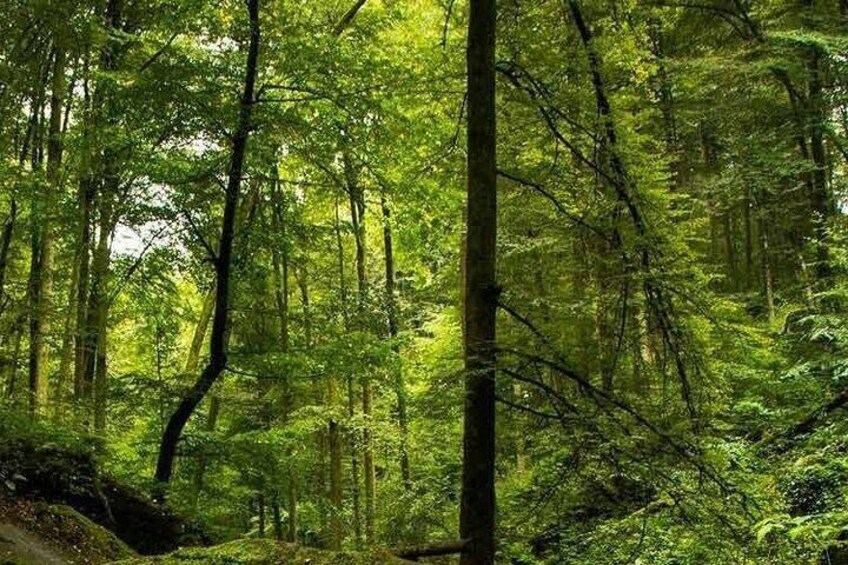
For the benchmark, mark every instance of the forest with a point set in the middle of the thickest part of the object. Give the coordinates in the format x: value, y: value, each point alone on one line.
x: 529, y: 282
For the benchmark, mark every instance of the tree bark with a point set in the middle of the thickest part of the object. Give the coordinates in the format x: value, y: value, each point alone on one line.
x: 12, y: 381
x: 97, y: 310
x: 354, y: 465
x: 43, y: 244
x: 276, y: 517
x: 5, y: 245
x: 747, y: 228
x: 260, y: 507
x: 477, y: 507
x: 200, y: 331
x: 58, y: 90
x: 415, y: 553
x: 333, y: 428
x: 768, y: 282
x: 357, y: 214
x: 203, y: 461
x: 223, y: 264
x: 67, y: 351
x: 392, y: 321
x: 821, y: 200
x: 280, y: 262
x: 348, y: 17
x: 86, y: 202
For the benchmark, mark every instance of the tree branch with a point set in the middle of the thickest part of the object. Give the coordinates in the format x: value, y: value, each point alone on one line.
x: 348, y: 18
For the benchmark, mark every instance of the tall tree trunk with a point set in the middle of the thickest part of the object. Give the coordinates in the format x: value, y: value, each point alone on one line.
x: 665, y: 94
x: 730, y: 246
x: 260, y: 508
x: 97, y: 310
x: 356, y: 495
x: 5, y: 245
x: 357, y: 214
x: 477, y: 507
x: 38, y: 313
x: 203, y: 460
x: 103, y: 187
x: 336, y: 487
x: 605, y: 319
x: 321, y: 444
x: 86, y: 202
x: 191, y: 365
x: 200, y: 331
x: 800, y: 134
x: 193, y: 361
x: 55, y: 147
x: 334, y: 432
x: 280, y: 262
x: 276, y: 517
x: 392, y: 321
x: 821, y: 201
x: 768, y: 282
x: 67, y: 351
x: 12, y: 380
x: 747, y: 227
x: 223, y: 264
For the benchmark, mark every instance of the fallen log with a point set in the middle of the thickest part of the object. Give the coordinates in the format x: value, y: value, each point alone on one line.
x: 782, y: 441
x: 414, y: 553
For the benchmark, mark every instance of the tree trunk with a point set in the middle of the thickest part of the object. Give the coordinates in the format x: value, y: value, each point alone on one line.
x: 67, y: 351
x: 821, y: 201
x: 354, y: 465
x: 477, y: 507
x: 336, y: 487
x: 86, y: 200
x: 320, y: 470
x: 357, y: 214
x: 223, y: 264
x: 191, y: 365
x: 97, y: 310
x: 333, y: 428
x: 37, y: 313
x: 260, y: 508
x: 392, y: 321
x: 200, y: 331
x: 276, y: 517
x: 749, y: 240
x: 281, y: 294
x: 12, y: 381
x: 768, y: 282
x: 52, y: 188
x: 5, y: 245
x: 730, y: 247
x: 85, y: 197
x: 203, y: 461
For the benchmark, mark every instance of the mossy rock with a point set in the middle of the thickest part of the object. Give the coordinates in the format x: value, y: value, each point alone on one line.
x: 79, y: 534
x: 41, y: 530
x: 265, y: 552
x: 68, y: 474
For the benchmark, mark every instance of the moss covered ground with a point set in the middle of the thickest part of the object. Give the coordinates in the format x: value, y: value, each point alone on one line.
x: 264, y: 552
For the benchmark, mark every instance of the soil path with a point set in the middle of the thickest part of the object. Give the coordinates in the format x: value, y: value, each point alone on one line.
x: 20, y: 547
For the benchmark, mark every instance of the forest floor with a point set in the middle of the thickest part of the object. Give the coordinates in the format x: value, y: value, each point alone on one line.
x: 37, y: 533
x: 57, y: 507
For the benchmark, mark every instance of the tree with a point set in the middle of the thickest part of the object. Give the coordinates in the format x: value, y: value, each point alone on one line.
x: 223, y: 261
x: 477, y: 508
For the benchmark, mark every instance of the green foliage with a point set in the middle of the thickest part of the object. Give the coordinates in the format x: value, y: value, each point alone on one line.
x: 672, y: 307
